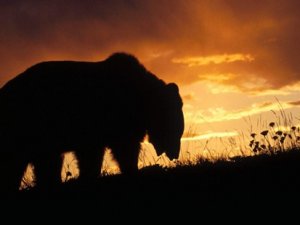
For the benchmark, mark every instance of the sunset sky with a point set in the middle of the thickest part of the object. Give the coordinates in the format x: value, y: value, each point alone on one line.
x: 234, y: 60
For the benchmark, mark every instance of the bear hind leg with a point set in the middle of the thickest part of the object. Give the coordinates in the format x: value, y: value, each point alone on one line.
x: 13, y: 167
x: 47, y: 169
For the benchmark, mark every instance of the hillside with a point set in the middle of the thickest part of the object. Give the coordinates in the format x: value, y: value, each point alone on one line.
x: 241, y: 181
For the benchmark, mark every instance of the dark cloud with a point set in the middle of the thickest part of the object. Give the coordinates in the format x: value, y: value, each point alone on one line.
x: 264, y: 104
x: 40, y: 30
x: 158, y: 31
x: 267, y: 30
x: 188, y: 97
x: 295, y: 103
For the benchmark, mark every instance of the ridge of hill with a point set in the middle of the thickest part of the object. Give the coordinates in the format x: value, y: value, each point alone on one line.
x: 239, y: 179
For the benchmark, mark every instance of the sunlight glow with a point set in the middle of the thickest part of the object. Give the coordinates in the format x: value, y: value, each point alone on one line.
x: 285, y: 91
x: 213, y: 59
x: 210, y: 135
x: 219, y: 114
x: 217, y: 77
x: 217, y: 88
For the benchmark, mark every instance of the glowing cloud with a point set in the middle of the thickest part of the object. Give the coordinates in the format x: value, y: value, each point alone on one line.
x: 210, y: 135
x: 220, y: 114
x: 179, y: 41
x: 213, y: 59
x: 295, y: 103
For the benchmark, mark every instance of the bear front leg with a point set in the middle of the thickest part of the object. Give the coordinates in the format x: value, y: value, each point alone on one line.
x: 89, y: 162
x: 127, y: 154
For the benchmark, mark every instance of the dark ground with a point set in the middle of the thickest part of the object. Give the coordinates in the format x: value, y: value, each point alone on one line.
x: 252, y: 186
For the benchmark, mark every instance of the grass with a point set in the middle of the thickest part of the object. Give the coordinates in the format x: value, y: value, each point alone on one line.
x: 267, y: 177
x: 275, y: 139
x: 262, y: 184
x: 242, y: 175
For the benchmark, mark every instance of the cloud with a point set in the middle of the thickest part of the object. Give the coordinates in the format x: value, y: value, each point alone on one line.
x: 202, y: 37
x: 220, y: 114
x: 188, y: 97
x: 34, y: 31
x: 267, y: 32
x: 295, y: 103
x: 210, y: 135
x: 213, y: 59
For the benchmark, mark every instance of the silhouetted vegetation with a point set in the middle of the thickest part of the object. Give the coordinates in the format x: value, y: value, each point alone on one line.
x: 275, y: 140
x: 240, y: 179
x: 265, y: 179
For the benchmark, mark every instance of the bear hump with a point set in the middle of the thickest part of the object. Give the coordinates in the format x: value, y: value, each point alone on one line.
x: 123, y: 58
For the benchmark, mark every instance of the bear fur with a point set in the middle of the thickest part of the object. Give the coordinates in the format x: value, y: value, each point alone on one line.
x: 60, y: 106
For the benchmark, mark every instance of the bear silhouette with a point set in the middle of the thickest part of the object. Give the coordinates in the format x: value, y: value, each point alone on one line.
x: 60, y: 106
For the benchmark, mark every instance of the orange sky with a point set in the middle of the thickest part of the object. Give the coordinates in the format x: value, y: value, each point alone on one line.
x: 231, y: 58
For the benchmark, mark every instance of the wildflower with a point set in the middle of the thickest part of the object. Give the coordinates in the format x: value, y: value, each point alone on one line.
x: 272, y: 124
x: 275, y: 138
x: 68, y: 174
x: 279, y: 132
x: 264, y: 133
x: 251, y: 143
x: 253, y: 135
x: 282, y: 140
x: 263, y: 146
x: 293, y: 128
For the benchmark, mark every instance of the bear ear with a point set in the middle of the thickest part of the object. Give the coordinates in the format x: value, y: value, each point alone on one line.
x: 172, y: 88
x: 172, y: 94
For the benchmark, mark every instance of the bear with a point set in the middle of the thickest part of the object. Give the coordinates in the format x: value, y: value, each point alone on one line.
x: 59, y: 106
